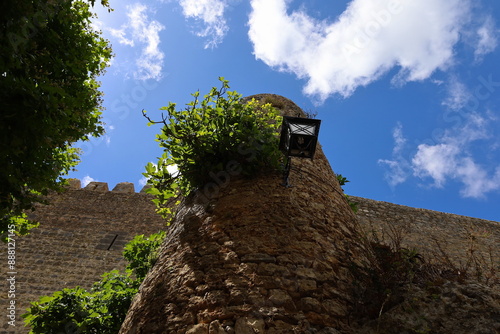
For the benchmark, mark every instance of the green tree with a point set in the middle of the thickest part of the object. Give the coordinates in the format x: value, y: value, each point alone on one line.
x: 49, y: 98
x: 221, y: 134
x: 141, y: 254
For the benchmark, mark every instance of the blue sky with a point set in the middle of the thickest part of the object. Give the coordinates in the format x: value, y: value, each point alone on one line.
x: 408, y: 91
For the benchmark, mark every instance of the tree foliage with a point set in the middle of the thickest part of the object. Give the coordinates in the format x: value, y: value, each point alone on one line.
x: 49, y: 61
x: 102, y: 309
x: 219, y: 134
x: 142, y: 253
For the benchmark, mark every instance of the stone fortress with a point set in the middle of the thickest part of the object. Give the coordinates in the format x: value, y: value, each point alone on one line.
x: 83, y: 231
x: 253, y: 260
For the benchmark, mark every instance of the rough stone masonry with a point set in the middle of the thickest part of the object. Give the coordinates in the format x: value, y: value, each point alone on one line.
x: 259, y: 257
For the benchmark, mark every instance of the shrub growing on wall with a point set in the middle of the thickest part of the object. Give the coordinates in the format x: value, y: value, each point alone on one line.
x: 219, y: 133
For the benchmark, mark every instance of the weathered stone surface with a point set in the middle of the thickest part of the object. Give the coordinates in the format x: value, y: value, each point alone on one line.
x: 145, y: 188
x: 97, y: 186
x: 74, y: 184
x: 453, y: 307
x: 425, y: 230
x: 216, y: 328
x: 198, y: 329
x: 247, y: 325
x: 264, y: 254
x: 124, y: 187
x: 280, y: 297
x: 258, y: 257
x: 311, y: 304
x: 81, y: 236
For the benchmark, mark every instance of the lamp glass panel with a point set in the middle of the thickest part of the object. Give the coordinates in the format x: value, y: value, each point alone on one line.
x: 303, y: 129
x: 301, y: 146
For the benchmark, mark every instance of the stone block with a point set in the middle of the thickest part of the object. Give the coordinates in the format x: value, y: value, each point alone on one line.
x: 307, y: 285
x: 74, y: 184
x: 310, y: 304
x: 97, y: 186
x: 124, y: 187
x: 198, y: 329
x: 146, y: 187
x: 280, y: 298
x: 247, y: 325
x: 334, y: 308
x: 306, y: 273
x: 258, y: 257
x: 215, y: 327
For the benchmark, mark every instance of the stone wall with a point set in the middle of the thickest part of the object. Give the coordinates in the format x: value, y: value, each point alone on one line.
x: 81, y: 236
x: 83, y: 231
x: 257, y: 258
x: 430, y: 232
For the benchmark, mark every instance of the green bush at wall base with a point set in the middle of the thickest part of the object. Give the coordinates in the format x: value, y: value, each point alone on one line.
x: 102, y: 309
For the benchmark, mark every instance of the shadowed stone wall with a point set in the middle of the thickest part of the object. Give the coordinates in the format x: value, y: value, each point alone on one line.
x: 427, y: 231
x: 81, y: 236
x: 71, y: 246
x: 261, y: 258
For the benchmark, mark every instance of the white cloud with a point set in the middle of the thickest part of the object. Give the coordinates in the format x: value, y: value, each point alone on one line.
x: 120, y: 34
x: 477, y: 181
x: 147, y: 32
x: 173, y: 170
x: 450, y: 158
x: 107, y: 135
x: 211, y: 14
x: 436, y: 161
x: 143, y: 33
x: 397, y: 171
x: 143, y: 181
x: 399, y: 167
x: 458, y: 95
x: 86, y: 180
x: 399, y: 139
x: 366, y: 41
x: 487, y: 39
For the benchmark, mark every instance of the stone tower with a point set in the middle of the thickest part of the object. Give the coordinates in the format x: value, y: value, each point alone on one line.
x: 258, y: 257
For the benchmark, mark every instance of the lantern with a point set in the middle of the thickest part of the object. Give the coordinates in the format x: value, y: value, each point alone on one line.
x: 298, y: 138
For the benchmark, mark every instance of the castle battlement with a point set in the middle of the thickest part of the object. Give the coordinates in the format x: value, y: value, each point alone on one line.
x: 122, y: 187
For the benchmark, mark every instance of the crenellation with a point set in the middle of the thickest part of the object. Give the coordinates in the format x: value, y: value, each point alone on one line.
x: 145, y: 188
x: 74, y: 184
x: 97, y: 186
x: 125, y: 187
x: 122, y: 187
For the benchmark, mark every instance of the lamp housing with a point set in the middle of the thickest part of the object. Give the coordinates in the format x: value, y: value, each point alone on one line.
x: 299, y: 136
